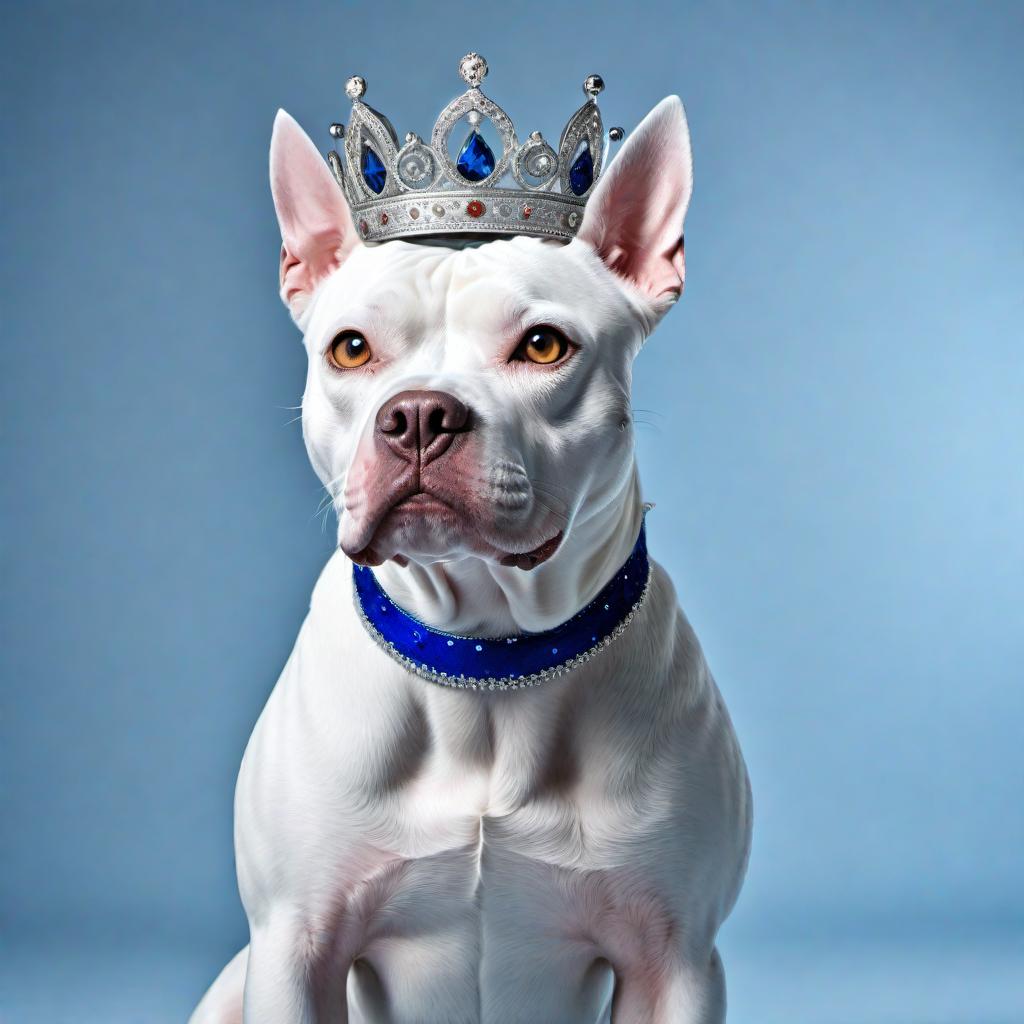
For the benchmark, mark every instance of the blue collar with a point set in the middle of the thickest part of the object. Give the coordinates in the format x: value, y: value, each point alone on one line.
x: 509, y: 662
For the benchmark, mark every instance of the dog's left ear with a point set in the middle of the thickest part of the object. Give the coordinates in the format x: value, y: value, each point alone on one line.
x: 634, y: 217
x: 317, y: 232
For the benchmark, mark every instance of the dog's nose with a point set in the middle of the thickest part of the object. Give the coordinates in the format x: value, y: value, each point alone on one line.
x: 421, y: 424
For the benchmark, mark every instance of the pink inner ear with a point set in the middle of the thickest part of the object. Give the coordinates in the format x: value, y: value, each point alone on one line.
x: 634, y: 219
x: 303, y: 269
x: 317, y: 232
x: 658, y: 275
x: 293, y: 278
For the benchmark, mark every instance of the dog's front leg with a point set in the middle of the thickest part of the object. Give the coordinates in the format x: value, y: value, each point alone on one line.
x: 671, y: 993
x: 287, y: 982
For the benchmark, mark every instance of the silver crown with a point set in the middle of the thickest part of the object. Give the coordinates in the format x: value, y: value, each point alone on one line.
x: 416, y: 188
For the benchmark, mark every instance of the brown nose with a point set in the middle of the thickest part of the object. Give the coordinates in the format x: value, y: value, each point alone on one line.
x: 421, y: 424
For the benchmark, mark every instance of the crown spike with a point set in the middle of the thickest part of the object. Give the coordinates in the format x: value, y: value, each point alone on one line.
x: 473, y: 70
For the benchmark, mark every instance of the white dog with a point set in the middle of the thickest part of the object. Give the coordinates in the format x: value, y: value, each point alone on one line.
x: 419, y: 853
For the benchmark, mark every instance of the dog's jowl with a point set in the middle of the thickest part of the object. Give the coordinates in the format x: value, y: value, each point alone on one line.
x: 496, y: 781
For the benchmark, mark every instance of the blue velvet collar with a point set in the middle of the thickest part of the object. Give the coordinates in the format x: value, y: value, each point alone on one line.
x: 503, y: 663
x: 509, y: 662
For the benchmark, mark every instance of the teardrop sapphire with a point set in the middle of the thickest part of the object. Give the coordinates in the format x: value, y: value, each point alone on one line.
x: 476, y: 161
x: 581, y: 174
x: 374, y: 173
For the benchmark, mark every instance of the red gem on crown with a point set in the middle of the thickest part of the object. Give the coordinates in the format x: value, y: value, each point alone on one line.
x: 475, y: 208
x: 527, y: 210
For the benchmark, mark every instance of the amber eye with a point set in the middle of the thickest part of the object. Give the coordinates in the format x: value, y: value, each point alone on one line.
x: 542, y: 345
x: 349, y: 350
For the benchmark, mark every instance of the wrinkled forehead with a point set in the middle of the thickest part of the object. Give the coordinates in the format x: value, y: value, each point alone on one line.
x: 496, y: 288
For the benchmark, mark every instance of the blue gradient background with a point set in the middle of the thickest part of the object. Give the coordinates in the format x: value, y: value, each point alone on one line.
x: 831, y: 425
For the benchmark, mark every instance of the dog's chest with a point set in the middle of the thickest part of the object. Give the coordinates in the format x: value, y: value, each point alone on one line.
x: 477, y: 866
x: 490, y: 797
x: 485, y: 909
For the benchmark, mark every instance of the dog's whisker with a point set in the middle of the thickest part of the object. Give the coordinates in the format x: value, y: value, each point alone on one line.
x: 655, y: 428
x: 332, y: 489
x: 550, y: 485
x: 559, y: 517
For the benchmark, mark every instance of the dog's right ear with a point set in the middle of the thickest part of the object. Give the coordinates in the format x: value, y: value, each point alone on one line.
x: 634, y: 218
x: 317, y: 232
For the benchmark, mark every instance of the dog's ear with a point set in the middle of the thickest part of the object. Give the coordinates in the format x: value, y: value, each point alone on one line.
x: 317, y: 232
x: 634, y: 217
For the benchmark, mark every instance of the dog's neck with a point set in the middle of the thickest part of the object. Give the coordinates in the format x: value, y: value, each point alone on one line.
x: 475, y: 597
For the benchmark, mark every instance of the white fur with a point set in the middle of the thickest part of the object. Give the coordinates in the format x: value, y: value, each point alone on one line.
x: 410, y: 853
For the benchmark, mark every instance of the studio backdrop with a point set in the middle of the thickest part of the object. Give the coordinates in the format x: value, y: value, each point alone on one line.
x: 830, y: 425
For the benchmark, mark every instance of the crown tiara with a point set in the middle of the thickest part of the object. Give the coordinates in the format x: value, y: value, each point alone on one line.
x: 421, y: 189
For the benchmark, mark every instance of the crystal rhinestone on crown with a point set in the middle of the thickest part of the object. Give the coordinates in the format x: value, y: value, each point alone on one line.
x: 457, y: 183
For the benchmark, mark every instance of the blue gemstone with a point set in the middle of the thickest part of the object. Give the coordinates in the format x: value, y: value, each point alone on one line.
x: 373, y: 170
x: 476, y: 161
x: 581, y: 174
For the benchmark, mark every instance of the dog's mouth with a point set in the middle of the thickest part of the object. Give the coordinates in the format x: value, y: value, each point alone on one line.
x: 424, y: 521
x: 531, y: 559
x: 421, y: 503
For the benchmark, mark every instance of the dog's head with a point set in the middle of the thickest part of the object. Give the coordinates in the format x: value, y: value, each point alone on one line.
x: 475, y: 400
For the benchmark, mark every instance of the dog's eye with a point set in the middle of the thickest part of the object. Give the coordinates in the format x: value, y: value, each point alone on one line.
x: 349, y: 350
x: 543, y: 345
